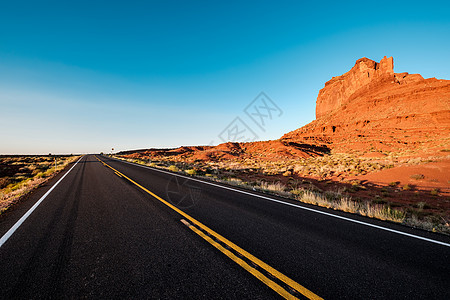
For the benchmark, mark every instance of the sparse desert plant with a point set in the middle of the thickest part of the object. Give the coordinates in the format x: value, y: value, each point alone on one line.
x: 4, y: 182
x: 173, y: 168
x: 347, y: 205
x: 191, y: 172
x: 406, y: 187
x: 296, y: 192
x: 425, y: 223
x: 422, y: 205
x: 334, y: 195
x: 314, y: 198
x: 272, y: 187
x: 385, y: 194
x: 417, y: 176
x: 382, y: 212
x: 234, y: 180
x: 287, y: 173
x: 434, y: 192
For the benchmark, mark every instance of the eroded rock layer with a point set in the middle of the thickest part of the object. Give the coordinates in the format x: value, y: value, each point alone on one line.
x: 371, y: 107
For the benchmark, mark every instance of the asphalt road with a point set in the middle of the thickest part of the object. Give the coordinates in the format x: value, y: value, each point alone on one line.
x: 113, y: 230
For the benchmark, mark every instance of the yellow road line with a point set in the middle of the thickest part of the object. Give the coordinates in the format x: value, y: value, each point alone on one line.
x: 277, y: 288
x: 293, y: 284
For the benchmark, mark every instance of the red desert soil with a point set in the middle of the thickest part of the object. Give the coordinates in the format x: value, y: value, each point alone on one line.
x: 435, y: 175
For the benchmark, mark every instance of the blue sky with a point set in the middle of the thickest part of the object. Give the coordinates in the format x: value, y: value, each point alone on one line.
x: 84, y: 77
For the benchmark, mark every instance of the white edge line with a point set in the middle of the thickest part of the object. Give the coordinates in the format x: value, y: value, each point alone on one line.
x: 294, y: 205
x: 10, y: 232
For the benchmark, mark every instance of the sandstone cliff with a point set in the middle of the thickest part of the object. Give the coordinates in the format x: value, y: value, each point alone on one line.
x: 371, y: 107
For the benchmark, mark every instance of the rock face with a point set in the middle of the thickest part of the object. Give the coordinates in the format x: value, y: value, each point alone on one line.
x: 370, y: 106
x: 363, y: 77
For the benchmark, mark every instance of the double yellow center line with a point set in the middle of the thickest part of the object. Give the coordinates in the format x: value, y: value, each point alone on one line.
x: 286, y: 287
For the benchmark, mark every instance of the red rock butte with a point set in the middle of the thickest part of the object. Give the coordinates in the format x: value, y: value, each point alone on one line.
x: 368, y: 109
x: 372, y: 108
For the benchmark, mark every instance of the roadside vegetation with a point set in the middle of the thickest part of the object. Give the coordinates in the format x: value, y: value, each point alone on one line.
x: 21, y: 174
x: 295, y: 186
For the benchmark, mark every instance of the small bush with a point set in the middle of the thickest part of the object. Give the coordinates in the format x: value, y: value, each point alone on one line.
x: 422, y: 205
x: 417, y: 176
x: 434, y: 192
x: 406, y: 187
x: 191, y: 172
x: 48, y: 172
x: 385, y: 193
x: 273, y: 187
x: 296, y: 192
x: 4, y: 182
x: 287, y: 173
x: 173, y: 168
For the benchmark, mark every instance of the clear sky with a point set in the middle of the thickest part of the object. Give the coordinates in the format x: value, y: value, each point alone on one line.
x: 87, y: 76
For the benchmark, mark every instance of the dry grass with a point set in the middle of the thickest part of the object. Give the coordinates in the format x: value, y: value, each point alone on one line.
x: 345, y: 203
x: 20, y: 175
x: 272, y: 186
x: 382, y: 212
x: 228, y: 172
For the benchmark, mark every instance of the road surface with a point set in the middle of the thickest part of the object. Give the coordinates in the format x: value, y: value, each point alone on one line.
x: 111, y: 229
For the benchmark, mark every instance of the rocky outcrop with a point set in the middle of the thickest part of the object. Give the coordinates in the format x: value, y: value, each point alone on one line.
x: 370, y: 106
x: 365, y: 75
